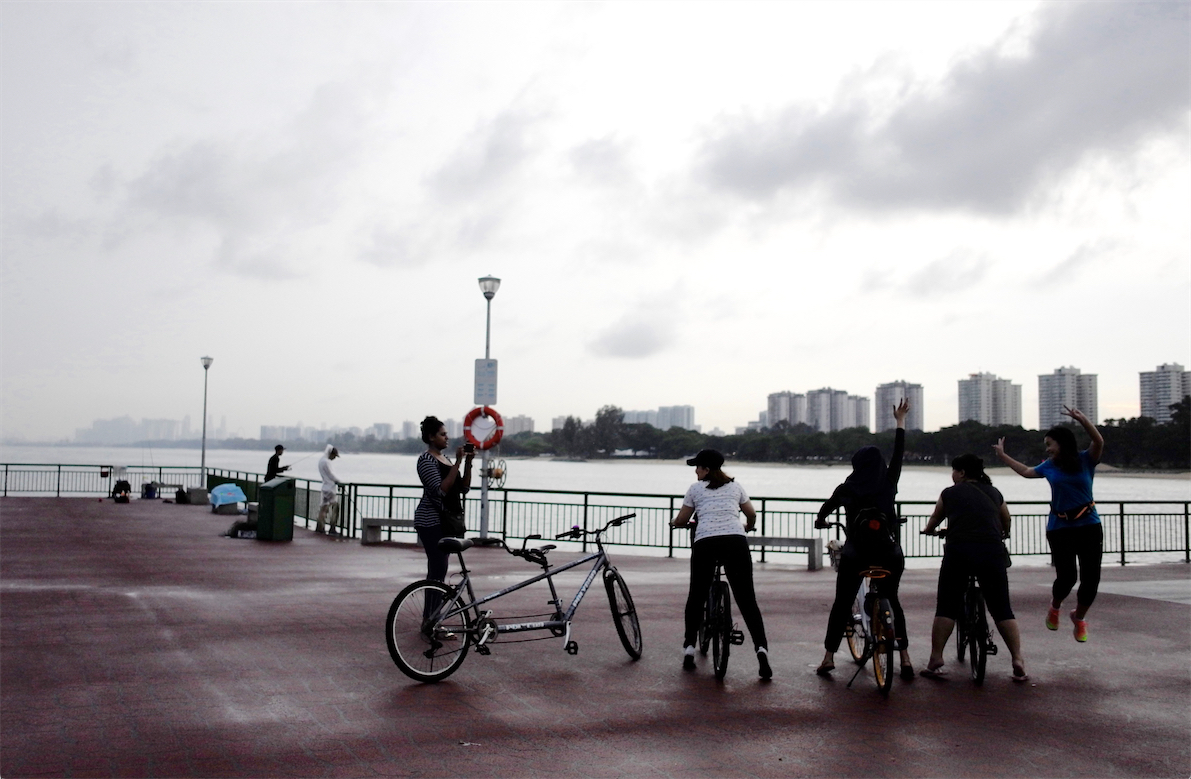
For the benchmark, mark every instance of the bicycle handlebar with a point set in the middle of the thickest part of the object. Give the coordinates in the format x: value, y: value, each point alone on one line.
x: 578, y: 532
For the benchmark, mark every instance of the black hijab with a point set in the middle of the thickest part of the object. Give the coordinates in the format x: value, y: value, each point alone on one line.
x: 868, y: 476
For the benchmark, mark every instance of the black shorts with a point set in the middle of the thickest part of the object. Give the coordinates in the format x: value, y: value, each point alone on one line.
x: 962, y: 559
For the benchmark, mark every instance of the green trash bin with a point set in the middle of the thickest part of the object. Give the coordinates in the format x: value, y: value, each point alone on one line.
x: 275, y: 517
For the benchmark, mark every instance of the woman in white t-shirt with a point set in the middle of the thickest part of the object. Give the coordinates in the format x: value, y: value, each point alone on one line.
x: 719, y: 538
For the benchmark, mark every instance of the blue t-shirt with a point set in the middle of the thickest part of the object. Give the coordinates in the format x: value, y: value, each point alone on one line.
x: 1069, y: 491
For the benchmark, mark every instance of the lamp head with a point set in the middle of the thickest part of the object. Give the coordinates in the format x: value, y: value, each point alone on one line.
x: 207, y: 362
x: 489, y: 285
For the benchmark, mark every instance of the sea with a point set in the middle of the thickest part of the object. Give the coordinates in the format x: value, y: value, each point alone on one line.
x: 653, y: 477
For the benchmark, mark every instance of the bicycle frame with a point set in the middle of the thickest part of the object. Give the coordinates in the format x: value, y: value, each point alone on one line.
x: 561, y: 621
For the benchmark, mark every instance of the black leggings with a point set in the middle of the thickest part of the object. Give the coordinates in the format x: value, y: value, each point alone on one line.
x: 847, y: 584
x: 733, y: 552
x: 436, y: 563
x: 1068, y: 545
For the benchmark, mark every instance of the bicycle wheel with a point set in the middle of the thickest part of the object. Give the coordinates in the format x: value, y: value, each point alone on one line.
x: 721, y: 638
x: 855, y: 633
x: 624, y: 613
x: 423, y: 651
x: 883, y: 640
x: 977, y: 640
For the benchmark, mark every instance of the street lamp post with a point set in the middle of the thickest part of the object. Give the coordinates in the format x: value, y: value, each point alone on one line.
x: 206, y: 368
x: 488, y: 285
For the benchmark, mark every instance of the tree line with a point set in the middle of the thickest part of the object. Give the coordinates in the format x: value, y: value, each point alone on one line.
x: 1140, y: 442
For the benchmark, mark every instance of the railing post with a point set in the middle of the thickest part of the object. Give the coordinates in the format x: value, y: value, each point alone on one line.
x: 504, y: 512
x: 585, y: 496
x: 6, y: 480
x: 59, y: 489
x: 671, y: 552
x: 1122, y: 515
x: 1186, y: 526
x: 762, y: 527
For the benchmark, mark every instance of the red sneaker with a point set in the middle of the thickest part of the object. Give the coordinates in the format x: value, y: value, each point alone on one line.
x: 1081, y: 628
x: 1052, y: 619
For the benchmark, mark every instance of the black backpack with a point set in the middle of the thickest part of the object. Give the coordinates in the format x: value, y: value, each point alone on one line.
x: 871, y: 532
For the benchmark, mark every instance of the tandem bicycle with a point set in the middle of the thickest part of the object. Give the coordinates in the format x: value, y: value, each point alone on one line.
x: 432, y: 625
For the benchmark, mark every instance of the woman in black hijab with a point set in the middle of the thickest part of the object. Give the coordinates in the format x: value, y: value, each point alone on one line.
x: 871, y: 485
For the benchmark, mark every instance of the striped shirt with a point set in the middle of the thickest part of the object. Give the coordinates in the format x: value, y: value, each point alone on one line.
x: 431, y: 472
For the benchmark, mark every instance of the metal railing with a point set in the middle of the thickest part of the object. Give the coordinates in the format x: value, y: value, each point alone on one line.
x: 1130, y: 527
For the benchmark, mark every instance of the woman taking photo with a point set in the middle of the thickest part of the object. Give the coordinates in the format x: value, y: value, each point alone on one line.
x: 871, y: 485
x: 1073, y: 529
x: 443, y: 489
x: 719, y: 538
x: 977, y: 524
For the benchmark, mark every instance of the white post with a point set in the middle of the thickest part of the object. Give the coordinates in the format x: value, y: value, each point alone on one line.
x: 203, y: 462
x: 484, y: 454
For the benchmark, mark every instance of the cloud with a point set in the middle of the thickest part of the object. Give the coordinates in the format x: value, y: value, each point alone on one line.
x: 1094, y: 79
x: 604, y: 162
x: 634, y: 336
x: 958, y: 271
x: 259, y: 196
x: 489, y: 158
x: 1080, y: 260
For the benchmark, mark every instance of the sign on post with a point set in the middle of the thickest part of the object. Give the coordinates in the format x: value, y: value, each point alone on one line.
x: 485, y: 383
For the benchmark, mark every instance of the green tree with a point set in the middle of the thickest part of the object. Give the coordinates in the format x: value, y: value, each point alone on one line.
x: 607, y: 431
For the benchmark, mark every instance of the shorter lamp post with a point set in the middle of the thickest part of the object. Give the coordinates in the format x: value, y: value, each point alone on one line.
x: 206, y: 368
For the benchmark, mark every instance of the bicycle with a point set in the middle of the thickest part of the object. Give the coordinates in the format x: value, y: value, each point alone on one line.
x: 717, y: 629
x: 972, y: 632
x: 870, y: 633
x: 432, y: 625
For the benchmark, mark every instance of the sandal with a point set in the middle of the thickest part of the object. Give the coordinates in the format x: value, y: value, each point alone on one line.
x: 825, y: 669
x: 908, y: 672
x: 934, y: 673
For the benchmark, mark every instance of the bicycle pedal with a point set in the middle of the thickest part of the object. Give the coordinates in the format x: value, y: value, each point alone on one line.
x: 736, y: 637
x: 572, y: 648
x: 483, y: 650
x: 991, y: 649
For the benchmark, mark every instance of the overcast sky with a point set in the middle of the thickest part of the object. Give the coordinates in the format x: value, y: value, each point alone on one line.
x: 688, y: 203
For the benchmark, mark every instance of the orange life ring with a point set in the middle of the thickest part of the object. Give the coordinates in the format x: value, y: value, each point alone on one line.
x: 476, y: 413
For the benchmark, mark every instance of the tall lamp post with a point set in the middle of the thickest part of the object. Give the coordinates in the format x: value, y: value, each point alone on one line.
x: 488, y: 285
x: 206, y: 368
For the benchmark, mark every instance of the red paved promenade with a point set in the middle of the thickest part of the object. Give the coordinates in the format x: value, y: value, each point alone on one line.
x: 134, y: 641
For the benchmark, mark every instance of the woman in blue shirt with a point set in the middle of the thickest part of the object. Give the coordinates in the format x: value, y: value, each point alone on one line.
x: 1073, y: 529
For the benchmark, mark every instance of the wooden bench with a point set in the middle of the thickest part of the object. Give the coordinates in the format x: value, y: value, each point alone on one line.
x: 370, y: 527
x: 813, y: 547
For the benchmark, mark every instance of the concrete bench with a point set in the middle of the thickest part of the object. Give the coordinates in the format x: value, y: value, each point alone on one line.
x: 370, y: 527
x: 813, y: 547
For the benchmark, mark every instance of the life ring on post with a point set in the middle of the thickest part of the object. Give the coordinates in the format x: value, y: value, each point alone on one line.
x: 490, y: 441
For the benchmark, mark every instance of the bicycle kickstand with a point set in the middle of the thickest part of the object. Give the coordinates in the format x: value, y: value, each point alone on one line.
x: 859, y: 668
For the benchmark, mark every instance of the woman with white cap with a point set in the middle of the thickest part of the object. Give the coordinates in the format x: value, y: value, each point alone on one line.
x: 720, y: 539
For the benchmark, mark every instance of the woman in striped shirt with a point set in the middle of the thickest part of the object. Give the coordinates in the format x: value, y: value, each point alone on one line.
x: 443, y: 488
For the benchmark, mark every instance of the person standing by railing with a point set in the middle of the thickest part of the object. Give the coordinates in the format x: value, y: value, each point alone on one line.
x: 720, y: 539
x: 275, y: 468
x: 443, y: 488
x: 330, y: 490
x: 1073, y: 528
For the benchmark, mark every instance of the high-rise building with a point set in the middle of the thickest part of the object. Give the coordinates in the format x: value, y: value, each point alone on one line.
x: 1161, y: 388
x: 1065, y: 387
x: 889, y: 396
x: 989, y: 400
x: 410, y: 430
x: 518, y: 424
x: 788, y: 407
x: 641, y: 418
x: 557, y: 423
x: 830, y: 409
x: 676, y: 416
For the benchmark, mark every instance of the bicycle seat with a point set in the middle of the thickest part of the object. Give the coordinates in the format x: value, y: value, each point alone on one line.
x: 455, y: 544
x: 874, y: 572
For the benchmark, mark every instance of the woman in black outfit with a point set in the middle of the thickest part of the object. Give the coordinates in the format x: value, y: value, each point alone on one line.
x: 977, y: 523
x: 871, y: 485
